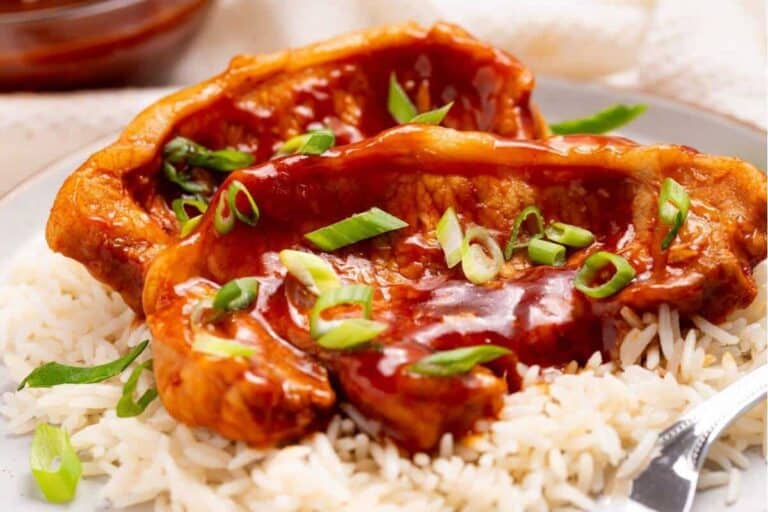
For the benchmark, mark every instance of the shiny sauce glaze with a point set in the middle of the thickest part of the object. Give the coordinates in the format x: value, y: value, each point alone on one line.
x: 533, y: 311
x: 489, y: 89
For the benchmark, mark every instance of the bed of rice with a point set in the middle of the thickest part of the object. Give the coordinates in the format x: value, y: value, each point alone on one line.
x: 554, y: 447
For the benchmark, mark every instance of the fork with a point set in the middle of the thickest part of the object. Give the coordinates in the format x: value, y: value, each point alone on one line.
x: 668, y: 484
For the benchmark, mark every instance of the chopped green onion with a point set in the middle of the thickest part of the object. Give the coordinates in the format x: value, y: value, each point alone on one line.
x: 220, y: 347
x: 512, y: 243
x: 446, y: 363
x: 310, y: 270
x: 347, y: 294
x: 624, y: 273
x: 478, y: 266
x: 223, y: 222
x: 53, y: 374
x: 570, y: 235
x: 360, y: 226
x: 236, y: 294
x: 546, y: 253
x: 250, y: 218
x: 404, y: 111
x: 127, y: 407
x: 54, y: 463
x: 186, y: 222
x: 351, y: 333
x: 435, y: 116
x: 184, y: 180
x: 181, y: 149
x: 398, y: 102
x: 450, y: 237
x: 674, y: 204
x: 604, y: 121
x: 314, y: 142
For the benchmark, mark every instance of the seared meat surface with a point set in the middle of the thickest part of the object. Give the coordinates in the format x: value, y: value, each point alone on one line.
x: 113, y: 213
x: 607, y: 185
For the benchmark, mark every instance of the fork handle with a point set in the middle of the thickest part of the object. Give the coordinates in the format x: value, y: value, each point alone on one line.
x: 705, y: 422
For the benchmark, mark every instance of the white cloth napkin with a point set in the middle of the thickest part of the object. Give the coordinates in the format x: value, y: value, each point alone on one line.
x: 710, y: 53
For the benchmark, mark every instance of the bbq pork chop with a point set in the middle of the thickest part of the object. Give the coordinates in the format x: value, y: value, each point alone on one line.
x: 114, y: 215
x: 259, y: 372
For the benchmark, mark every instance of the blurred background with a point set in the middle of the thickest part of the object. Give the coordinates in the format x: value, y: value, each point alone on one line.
x: 72, y: 71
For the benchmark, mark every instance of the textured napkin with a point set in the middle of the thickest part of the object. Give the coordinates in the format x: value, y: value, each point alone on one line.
x: 710, y: 53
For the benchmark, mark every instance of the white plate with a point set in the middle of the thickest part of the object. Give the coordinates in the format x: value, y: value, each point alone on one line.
x: 23, y: 213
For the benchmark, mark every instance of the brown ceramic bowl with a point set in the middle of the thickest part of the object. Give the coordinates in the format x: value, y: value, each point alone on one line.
x: 65, y: 44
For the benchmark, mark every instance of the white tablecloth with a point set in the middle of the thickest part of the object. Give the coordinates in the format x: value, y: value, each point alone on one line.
x: 707, y: 52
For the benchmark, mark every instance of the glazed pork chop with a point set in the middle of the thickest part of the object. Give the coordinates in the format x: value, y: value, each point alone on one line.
x: 114, y: 213
x: 280, y: 381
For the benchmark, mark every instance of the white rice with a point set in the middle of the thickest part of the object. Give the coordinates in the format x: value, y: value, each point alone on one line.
x: 555, y: 446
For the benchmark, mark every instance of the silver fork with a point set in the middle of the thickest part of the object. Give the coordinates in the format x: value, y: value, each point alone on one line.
x: 668, y: 484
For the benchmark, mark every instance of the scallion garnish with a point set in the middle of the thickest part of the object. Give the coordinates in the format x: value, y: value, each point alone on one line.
x: 54, y: 463
x: 184, y: 180
x: 251, y: 216
x: 310, y: 270
x: 543, y: 252
x: 591, y: 268
x: 127, y: 407
x: 450, y: 237
x: 186, y: 222
x: 181, y: 149
x: 351, y: 333
x: 435, y: 116
x: 570, y: 235
x: 236, y: 294
x: 604, y: 121
x: 227, y: 210
x: 220, y: 347
x: 360, y: 226
x: 512, y: 243
x: 314, y: 142
x: 348, y: 332
x: 481, y: 257
x: 446, y: 363
x: 674, y: 203
x: 53, y: 374
x: 404, y: 111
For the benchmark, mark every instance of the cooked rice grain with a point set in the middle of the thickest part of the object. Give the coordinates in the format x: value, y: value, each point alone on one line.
x: 555, y: 446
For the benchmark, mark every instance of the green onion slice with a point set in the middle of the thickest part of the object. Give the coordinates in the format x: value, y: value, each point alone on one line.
x: 543, y: 252
x: 186, y: 222
x: 54, y: 463
x: 435, y: 116
x: 360, y: 226
x: 53, y: 374
x: 351, y: 333
x: 314, y: 142
x: 450, y: 237
x: 127, y: 407
x: 398, y: 103
x: 184, y: 180
x: 478, y: 266
x: 674, y: 204
x: 512, y: 243
x: 570, y: 235
x: 360, y: 294
x: 223, y: 222
x: 236, y: 294
x: 220, y: 347
x: 310, y: 270
x: 624, y: 273
x: 606, y: 120
x: 181, y: 149
x: 446, y: 363
x: 404, y: 111
x: 251, y: 217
